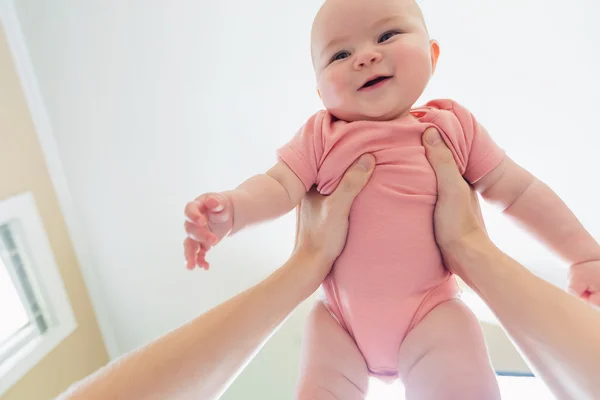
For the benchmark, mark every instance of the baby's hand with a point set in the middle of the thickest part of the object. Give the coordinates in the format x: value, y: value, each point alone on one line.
x: 209, y: 219
x: 584, y: 281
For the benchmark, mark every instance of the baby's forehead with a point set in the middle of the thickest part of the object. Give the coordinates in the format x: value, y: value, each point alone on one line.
x: 337, y: 16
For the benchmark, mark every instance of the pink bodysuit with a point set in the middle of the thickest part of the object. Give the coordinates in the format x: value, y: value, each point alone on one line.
x: 390, y: 274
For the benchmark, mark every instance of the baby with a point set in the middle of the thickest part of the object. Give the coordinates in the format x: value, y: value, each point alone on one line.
x: 392, y: 309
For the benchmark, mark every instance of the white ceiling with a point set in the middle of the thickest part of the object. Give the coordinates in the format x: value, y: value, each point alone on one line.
x: 152, y: 104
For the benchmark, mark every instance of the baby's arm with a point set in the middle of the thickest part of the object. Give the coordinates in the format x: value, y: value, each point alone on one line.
x: 212, y: 216
x: 532, y: 203
x: 266, y: 196
x: 520, y: 195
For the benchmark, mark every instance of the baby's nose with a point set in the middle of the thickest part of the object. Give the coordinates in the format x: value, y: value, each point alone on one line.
x: 367, y: 58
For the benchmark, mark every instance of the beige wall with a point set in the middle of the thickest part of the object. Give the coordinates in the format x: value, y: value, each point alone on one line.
x: 22, y: 168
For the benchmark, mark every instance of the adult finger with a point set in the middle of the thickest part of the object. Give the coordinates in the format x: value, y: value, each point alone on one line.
x: 353, y: 181
x: 440, y: 157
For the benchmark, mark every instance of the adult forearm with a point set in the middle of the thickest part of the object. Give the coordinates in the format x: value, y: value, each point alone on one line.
x: 555, y: 331
x: 200, y: 359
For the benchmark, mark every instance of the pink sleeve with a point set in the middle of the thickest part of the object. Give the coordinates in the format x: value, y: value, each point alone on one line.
x: 303, y: 152
x: 473, y: 148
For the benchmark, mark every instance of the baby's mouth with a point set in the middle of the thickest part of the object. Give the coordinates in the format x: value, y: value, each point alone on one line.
x: 375, y: 81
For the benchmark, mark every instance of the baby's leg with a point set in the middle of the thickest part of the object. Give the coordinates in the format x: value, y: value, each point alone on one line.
x: 445, y: 357
x: 332, y: 367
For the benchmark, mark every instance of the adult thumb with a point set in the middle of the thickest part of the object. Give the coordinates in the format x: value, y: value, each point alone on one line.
x: 353, y: 181
x: 441, y: 159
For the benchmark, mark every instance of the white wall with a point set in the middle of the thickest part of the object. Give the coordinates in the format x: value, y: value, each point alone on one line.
x: 155, y: 103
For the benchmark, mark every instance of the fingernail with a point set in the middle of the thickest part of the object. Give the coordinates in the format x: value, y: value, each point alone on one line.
x: 432, y: 136
x: 218, y: 208
x: 366, y: 162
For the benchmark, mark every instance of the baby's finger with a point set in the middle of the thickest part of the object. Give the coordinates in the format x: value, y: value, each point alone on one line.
x: 219, y: 217
x: 205, y: 247
x: 200, y: 221
x: 201, y: 260
x: 190, y: 249
x: 595, y: 299
x: 213, y: 204
x: 200, y: 234
x: 215, y: 209
x: 193, y: 213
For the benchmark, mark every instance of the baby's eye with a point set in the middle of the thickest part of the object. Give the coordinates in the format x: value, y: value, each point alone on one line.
x: 387, y: 36
x: 340, y: 56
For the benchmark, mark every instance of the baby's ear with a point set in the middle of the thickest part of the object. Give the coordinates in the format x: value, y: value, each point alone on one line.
x: 434, y: 49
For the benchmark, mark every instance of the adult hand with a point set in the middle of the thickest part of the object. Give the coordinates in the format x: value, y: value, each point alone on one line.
x: 539, y: 317
x: 455, y: 218
x: 322, y: 221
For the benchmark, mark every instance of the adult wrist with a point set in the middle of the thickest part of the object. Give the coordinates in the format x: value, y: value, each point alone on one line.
x: 312, y: 266
x: 468, y: 254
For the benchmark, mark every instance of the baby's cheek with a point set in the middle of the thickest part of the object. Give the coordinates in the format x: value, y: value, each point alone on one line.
x: 413, y: 66
x: 332, y: 85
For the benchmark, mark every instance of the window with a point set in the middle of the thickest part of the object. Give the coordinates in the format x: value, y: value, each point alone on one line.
x: 34, y: 309
x: 20, y: 310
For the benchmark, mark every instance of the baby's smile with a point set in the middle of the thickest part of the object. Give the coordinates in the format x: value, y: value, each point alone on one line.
x: 374, y: 83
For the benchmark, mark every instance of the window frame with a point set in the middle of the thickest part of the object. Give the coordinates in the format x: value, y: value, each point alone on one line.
x: 44, y: 275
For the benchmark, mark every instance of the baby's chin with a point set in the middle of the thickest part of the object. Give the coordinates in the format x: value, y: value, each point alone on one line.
x: 368, y: 115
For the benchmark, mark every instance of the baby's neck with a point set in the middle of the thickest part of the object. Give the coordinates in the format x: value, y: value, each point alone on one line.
x: 403, y: 114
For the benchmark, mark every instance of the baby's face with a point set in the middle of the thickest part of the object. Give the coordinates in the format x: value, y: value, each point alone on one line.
x: 357, y: 41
